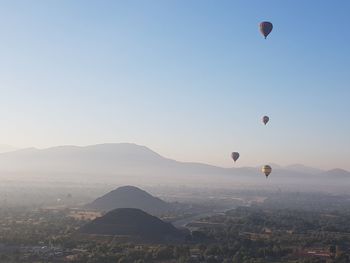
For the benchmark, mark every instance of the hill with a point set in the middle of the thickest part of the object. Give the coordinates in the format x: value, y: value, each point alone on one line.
x: 130, y: 197
x: 7, y: 148
x: 337, y: 173
x: 300, y: 168
x: 134, y: 223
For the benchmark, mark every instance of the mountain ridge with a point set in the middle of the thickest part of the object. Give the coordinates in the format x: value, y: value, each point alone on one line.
x: 128, y: 163
x: 147, y: 149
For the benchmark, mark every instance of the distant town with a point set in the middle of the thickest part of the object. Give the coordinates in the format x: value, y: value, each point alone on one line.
x: 251, y: 227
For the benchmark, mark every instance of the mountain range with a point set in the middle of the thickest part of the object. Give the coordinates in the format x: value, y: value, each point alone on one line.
x: 126, y: 163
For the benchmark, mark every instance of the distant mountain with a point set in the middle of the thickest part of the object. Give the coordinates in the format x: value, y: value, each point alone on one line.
x: 101, y: 157
x: 337, y: 173
x: 130, y: 197
x: 120, y: 162
x: 7, y: 148
x: 303, y: 169
x: 134, y: 223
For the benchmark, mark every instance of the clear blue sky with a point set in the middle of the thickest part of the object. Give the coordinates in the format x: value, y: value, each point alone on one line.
x: 189, y: 79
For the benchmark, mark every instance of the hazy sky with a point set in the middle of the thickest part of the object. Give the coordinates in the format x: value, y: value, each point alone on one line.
x: 189, y: 79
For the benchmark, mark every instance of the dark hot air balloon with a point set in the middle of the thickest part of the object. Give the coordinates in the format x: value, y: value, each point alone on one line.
x: 265, y: 119
x: 266, y: 28
x: 235, y: 156
x: 266, y: 169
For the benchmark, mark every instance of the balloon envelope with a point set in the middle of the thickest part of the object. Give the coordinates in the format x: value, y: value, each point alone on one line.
x: 265, y: 119
x: 266, y: 28
x: 266, y: 169
x: 235, y: 156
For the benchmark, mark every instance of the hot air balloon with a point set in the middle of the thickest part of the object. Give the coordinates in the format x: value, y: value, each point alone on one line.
x: 235, y: 156
x: 265, y: 119
x: 266, y: 169
x: 266, y: 28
